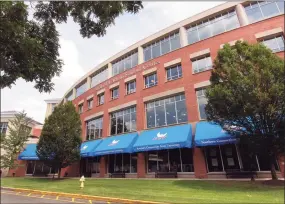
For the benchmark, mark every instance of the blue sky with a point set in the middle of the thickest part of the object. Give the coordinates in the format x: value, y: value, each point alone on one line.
x: 81, y: 55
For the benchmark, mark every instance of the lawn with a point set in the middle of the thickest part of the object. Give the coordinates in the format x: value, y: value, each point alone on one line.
x: 171, y: 191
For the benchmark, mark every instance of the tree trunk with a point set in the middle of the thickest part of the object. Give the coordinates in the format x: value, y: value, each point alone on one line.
x: 273, y: 170
x: 59, y: 171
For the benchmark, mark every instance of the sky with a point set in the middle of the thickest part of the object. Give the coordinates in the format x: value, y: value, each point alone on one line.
x: 80, y: 55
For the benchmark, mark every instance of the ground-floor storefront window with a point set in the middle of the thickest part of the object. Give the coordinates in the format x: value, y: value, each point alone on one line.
x: 122, y: 163
x: 37, y: 167
x: 230, y: 157
x: 90, y: 165
x: 173, y: 160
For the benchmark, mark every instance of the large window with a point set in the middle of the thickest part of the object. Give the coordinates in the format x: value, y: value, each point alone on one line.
x: 161, y: 47
x: 174, y: 72
x: 124, y: 121
x: 115, y: 93
x: 3, y: 127
x: 202, y: 102
x: 69, y: 96
x: 81, y: 89
x: 101, y: 99
x: 94, y: 128
x: 130, y: 87
x: 276, y: 44
x: 172, y: 160
x: 213, y: 26
x: 150, y: 80
x: 90, y: 104
x: 80, y: 108
x: 166, y: 111
x: 36, y: 167
x: 201, y: 64
x: 99, y: 77
x: 122, y: 163
x: 257, y: 11
x: 124, y: 64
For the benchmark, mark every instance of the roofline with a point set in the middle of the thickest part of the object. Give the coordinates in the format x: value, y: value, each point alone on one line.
x: 153, y: 37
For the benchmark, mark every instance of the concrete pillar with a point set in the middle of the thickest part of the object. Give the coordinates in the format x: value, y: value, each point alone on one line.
x: 103, y: 165
x: 110, y: 72
x: 73, y: 93
x: 141, y: 165
x: 88, y: 83
x: 242, y: 17
x: 183, y: 37
x: 140, y: 55
x: 64, y: 100
x: 200, y: 168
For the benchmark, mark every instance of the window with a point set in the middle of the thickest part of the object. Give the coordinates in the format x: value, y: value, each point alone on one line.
x: 257, y: 11
x: 161, y: 47
x: 115, y: 93
x: 101, y: 99
x: 99, y: 77
x: 69, y: 97
x: 124, y: 64
x: 276, y: 44
x: 80, y: 108
x: 123, y: 121
x: 94, y: 128
x: 35, y: 167
x: 80, y: 90
x: 53, y: 106
x: 90, y: 104
x: 174, y: 73
x: 202, y: 102
x: 166, y: 111
x: 3, y: 127
x: 201, y: 64
x: 150, y: 80
x: 211, y: 27
x: 122, y: 163
x: 172, y: 160
x: 131, y: 87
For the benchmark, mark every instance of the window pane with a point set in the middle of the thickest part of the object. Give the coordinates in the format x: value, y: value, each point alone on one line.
x: 231, y: 22
x: 174, y: 160
x: 150, y: 117
x: 218, y: 27
x: 156, y: 50
x: 281, y: 6
x: 214, y: 159
x: 202, y: 104
x: 160, y: 116
x: 128, y: 63
x: 163, y: 165
x: 175, y: 42
x: 170, y: 114
x: 119, y: 124
x: 127, y: 124
x: 187, y: 160
x: 254, y: 15
x: 133, y: 121
x: 134, y: 59
x: 192, y: 37
x: 269, y: 10
x: 81, y: 89
x: 181, y: 111
x: 113, y: 126
x: 165, y: 47
x: 152, y: 158
x: 205, y: 32
x: 147, y: 54
x: 271, y: 44
x: 280, y: 42
x: 229, y: 156
x: 133, y: 163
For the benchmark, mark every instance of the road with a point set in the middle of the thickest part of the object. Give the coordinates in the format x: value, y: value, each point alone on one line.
x: 14, y: 197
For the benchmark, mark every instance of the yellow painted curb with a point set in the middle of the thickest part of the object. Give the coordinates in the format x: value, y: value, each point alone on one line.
x: 80, y: 196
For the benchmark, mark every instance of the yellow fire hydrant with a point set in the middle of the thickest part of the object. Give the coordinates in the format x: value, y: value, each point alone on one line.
x: 82, y: 179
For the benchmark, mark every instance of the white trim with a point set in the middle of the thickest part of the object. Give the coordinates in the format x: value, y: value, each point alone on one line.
x: 114, y: 85
x: 94, y: 115
x: 80, y: 102
x: 172, y: 63
x: 149, y: 71
x: 130, y: 78
x: 122, y: 106
x: 100, y: 91
x: 163, y: 94
x: 200, y: 53
x: 269, y: 33
x: 202, y: 84
x: 232, y: 43
x: 89, y: 97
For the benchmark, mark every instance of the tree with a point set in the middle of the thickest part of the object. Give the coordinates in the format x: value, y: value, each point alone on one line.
x: 29, y: 48
x: 13, y: 143
x: 247, y: 91
x: 60, y: 140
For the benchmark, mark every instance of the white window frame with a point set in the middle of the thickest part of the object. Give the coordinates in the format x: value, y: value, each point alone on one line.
x: 180, y: 74
x: 90, y: 103
x: 194, y: 61
x: 148, y: 84
x: 130, y: 91
x: 112, y: 93
x: 275, y: 39
x: 99, y: 99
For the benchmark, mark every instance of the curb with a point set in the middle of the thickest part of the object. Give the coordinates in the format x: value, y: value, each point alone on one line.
x: 79, y: 196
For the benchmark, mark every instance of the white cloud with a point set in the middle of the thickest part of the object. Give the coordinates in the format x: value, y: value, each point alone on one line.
x: 82, y: 54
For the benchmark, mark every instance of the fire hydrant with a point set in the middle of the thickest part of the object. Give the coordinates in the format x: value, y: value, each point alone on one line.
x: 82, y: 179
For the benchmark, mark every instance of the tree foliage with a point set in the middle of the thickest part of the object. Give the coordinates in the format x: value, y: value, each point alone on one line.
x: 29, y: 48
x: 247, y: 91
x: 13, y: 142
x: 60, y: 140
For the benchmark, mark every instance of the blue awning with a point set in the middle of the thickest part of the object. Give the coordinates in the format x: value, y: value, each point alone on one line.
x: 208, y: 133
x: 116, y: 144
x: 88, y: 147
x: 29, y: 153
x: 164, y: 138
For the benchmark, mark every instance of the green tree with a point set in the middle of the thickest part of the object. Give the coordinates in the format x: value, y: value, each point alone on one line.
x: 60, y: 140
x: 247, y: 91
x: 29, y: 47
x: 13, y: 142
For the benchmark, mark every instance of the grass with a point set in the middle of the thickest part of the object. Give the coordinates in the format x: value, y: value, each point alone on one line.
x: 171, y: 191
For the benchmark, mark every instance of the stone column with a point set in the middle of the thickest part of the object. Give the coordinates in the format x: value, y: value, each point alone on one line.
x: 73, y: 93
x: 200, y: 168
x: 141, y: 165
x: 183, y: 36
x: 88, y: 83
x: 242, y: 17
x: 140, y: 55
x: 110, y: 70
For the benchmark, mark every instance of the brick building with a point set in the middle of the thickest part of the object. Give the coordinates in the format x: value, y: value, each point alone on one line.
x: 142, y: 110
